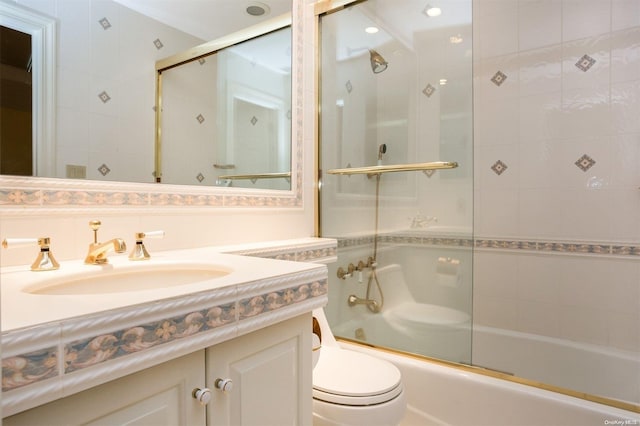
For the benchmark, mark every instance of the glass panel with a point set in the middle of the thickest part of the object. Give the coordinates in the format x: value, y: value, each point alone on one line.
x: 397, y: 89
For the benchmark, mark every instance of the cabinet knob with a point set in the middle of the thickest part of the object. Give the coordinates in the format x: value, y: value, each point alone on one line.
x: 225, y: 385
x: 202, y: 395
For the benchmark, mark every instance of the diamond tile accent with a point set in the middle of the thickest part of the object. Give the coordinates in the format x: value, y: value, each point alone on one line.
x: 429, y: 173
x: 158, y: 44
x: 104, y: 170
x: 585, y: 63
x: 498, y: 78
x: 349, y: 86
x: 104, y: 97
x: 428, y: 90
x: 254, y: 120
x: 585, y: 162
x: 105, y: 23
x: 202, y: 61
x: 499, y: 167
x: 200, y: 177
x: 200, y: 118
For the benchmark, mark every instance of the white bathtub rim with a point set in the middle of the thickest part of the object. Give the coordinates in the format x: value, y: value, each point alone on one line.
x: 589, y: 347
x: 500, y: 385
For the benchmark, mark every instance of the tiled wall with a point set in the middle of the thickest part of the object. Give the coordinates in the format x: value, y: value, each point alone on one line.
x: 557, y: 155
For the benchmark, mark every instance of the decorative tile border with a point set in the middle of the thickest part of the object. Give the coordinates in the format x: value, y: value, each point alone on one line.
x: 321, y: 251
x: 591, y: 248
x: 90, y: 351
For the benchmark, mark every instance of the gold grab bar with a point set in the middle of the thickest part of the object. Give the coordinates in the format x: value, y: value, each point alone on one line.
x: 285, y: 175
x: 372, y: 170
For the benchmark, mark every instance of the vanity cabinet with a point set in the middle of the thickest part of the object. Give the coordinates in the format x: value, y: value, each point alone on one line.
x: 271, y: 378
x: 269, y: 369
x: 159, y: 396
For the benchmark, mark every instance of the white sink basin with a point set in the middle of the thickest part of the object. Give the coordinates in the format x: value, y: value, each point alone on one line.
x: 126, y: 280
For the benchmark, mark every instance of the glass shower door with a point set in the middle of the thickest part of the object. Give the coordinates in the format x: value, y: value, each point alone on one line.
x: 396, y: 91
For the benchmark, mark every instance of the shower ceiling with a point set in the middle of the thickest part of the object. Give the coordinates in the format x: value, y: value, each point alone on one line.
x: 400, y: 22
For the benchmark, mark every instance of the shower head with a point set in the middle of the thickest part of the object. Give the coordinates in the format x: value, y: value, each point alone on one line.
x: 378, y: 64
x: 382, y: 149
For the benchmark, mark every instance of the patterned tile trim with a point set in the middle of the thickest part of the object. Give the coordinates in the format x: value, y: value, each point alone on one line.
x: 604, y: 249
x: 292, y: 253
x: 275, y: 300
x: 94, y: 350
x: 32, y: 367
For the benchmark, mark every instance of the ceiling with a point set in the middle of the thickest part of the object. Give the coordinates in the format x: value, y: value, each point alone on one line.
x: 207, y: 19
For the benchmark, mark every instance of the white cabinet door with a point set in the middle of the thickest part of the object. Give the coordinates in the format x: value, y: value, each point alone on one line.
x: 157, y: 396
x: 271, y: 374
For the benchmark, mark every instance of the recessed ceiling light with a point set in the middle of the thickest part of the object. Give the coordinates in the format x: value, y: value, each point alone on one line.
x: 371, y: 30
x: 257, y: 9
x: 443, y: 81
x: 432, y: 11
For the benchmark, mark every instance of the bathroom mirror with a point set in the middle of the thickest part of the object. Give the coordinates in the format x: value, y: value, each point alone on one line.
x: 224, y: 115
x: 99, y: 117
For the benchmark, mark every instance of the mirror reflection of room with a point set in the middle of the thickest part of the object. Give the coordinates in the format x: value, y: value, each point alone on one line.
x: 97, y: 118
x: 226, y: 118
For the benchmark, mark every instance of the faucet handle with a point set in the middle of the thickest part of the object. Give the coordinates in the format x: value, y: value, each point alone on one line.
x: 45, y: 260
x: 139, y: 251
x: 95, y: 225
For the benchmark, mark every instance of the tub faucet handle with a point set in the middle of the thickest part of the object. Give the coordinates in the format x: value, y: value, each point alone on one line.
x: 343, y: 275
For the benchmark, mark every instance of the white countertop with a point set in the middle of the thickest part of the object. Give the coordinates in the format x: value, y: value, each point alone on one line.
x: 21, y: 309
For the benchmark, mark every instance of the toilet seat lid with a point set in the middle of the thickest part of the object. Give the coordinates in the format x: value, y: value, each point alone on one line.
x: 353, y: 378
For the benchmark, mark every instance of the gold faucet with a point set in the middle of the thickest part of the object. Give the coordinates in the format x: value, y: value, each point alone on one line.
x: 98, y: 251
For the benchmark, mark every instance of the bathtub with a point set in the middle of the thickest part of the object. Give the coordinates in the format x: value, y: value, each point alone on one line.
x: 589, y: 368
x: 439, y: 394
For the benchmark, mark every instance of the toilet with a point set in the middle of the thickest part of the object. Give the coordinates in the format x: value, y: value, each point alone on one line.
x: 352, y: 388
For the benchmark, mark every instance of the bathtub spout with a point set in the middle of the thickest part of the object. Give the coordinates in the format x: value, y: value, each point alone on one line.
x: 371, y: 304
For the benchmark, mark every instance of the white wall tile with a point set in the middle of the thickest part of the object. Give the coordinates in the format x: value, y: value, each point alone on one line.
x: 539, y: 318
x: 540, y: 70
x: 625, y: 14
x: 597, y: 69
x: 585, y: 18
x: 539, y: 279
x: 540, y: 213
x: 539, y: 23
x: 540, y: 117
x: 625, y: 54
x: 625, y: 107
x: 587, y: 325
x: 497, y: 27
x: 624, y: 330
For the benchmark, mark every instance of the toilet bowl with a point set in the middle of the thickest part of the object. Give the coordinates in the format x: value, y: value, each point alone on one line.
x: 352, y: 388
